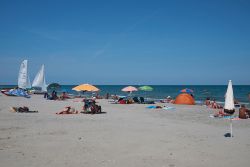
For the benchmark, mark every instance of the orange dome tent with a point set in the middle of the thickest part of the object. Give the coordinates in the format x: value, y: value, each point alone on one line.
x: 184, y: 98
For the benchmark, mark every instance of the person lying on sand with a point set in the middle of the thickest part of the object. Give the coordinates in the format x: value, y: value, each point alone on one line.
x: 23, y: 109
x: 68, y: 110
x: 221, y: 113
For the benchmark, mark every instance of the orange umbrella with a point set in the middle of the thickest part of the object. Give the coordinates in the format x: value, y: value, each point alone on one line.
x: 86, y: 87
x: 129, y: 89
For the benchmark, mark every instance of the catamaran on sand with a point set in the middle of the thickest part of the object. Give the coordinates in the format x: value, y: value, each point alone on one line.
x: 38, y: 86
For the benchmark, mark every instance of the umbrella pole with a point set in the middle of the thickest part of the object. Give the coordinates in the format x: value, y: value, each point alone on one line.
x: 231, y: 128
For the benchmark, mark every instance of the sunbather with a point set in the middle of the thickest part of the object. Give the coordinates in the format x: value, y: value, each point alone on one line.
x: 68, y: 110
x: 23, y: 109
x: 221, y: 113
x: 213, y: 104
x: 243, y: 112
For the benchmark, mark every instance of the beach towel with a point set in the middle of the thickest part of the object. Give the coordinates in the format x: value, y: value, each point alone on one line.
x: 65, y: 112
x: 225, y: 117
x: 229, y: 117
x: 237, y: 119
x: 168, y: 108
x: 154, y: 107
x: 150, y: 107
x: 89, y: 112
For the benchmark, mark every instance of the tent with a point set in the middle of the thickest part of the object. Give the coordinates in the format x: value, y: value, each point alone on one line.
x: 184, y: 98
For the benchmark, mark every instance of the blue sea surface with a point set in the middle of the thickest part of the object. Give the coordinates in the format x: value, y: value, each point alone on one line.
x: 201, y: 92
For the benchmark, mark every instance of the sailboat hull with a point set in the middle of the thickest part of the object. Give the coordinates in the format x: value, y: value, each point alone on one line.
x: 5, y: 92
x: 38, y: 92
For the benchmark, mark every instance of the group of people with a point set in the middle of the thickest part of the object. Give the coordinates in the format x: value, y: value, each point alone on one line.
x: 168, y: 99
x: 212, y: 104
x: 130, y: 100
x: 90, y: 107
x: 54, y: 96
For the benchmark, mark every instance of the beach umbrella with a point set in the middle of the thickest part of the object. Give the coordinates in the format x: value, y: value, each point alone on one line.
x: 86, y: 87
x: 129, y: 89
x: 186, y: 90
x: 229, y: 98
x: 53, y: 86
x: 146, y: 88
x: 229, y: 104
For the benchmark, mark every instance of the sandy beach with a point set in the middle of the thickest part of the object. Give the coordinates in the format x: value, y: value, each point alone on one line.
x: 126, y: 135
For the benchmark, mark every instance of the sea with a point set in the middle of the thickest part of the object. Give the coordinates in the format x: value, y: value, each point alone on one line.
x: 201, y: 92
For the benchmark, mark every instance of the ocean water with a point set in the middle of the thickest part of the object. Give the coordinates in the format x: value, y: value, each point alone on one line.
x: 201, y: 92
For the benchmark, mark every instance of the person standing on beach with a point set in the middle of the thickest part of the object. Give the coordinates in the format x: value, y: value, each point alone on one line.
x: 107, y: 96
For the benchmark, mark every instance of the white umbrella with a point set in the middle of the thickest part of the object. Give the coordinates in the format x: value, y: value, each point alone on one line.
x: 229, y: 104
x: 229, y: 99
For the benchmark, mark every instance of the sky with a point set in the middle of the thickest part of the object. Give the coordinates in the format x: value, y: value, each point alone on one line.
x: 155, y: 42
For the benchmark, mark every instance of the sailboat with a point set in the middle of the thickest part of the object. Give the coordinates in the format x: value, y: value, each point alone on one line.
x: 23, y: 77
x: 39, y: 83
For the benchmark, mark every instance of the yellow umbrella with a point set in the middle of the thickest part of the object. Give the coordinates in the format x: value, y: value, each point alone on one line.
x: 86, y: 87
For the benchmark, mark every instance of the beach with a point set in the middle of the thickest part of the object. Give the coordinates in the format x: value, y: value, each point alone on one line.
x: 126, y: 135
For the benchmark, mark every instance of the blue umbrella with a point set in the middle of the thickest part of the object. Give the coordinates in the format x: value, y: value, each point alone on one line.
x: 186, y: 90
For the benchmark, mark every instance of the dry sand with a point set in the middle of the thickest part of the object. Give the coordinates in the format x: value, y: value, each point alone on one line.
x: 127, y: 135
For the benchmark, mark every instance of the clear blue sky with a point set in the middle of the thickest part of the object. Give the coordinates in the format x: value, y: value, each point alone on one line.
x: 127, y: 42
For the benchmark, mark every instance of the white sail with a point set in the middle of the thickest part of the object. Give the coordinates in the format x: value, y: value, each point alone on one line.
x: 229, y: 97
x: 23, y: 78
x: 39, y: 80
x: 28, y: 82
